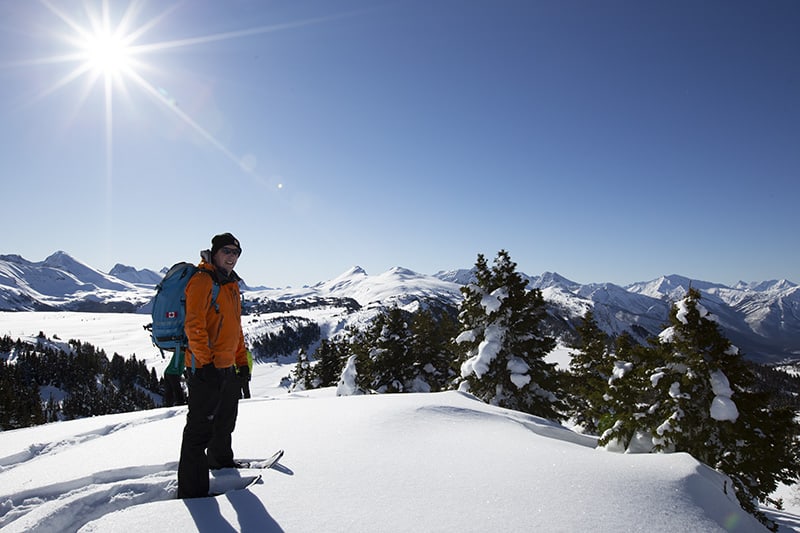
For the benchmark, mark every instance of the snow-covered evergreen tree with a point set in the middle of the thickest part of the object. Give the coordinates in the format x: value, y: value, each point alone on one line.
x: 330, y: 356
x: 693, y: 397
x: 701, y: 400
x: 391, y: 357
x: 382, y: 354
x: 401, y: 352
x: 303, y: 373
x: 502, y: 342
x: 591, y: 367
x: 624, y: 401
x: 432, y: 350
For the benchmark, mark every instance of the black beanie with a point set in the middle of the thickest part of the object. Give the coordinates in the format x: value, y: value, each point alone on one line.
x: 224, y: 239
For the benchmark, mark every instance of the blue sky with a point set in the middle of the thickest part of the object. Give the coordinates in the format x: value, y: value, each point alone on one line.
x: 607, y: 141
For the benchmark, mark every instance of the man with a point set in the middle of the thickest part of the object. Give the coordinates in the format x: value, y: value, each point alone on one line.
x: 216, y: 348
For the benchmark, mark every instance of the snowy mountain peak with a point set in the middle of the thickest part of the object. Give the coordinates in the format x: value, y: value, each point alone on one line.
x: 672, y: 288
x: 353, y: 272
x: 461, y: 276
x: 763, y: 286
x: 401, y: 272
x: 84, y: 275
x: 138, y: 277
x: 553, y: 279
x: 14, y: 258
x: 356, y: 271
x: 60, y: 281
x: 352, y: 276
x: 61, y: 258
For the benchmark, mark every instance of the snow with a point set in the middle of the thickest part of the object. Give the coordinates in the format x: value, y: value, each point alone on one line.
x: 466, y: 336
x: 720, y: 385
x: 621, y: 368
x: 722, y: 406
x: 402, y: 462
x: 347, y: 384
x: 389, y: 463
x: 492, y: 302
x: 656, y: 377
x: 487, y: 350
x: 675, y: 391
x: 683, y: 310
x: 667, y: 335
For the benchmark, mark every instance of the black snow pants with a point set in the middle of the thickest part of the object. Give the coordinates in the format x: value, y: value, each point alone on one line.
x: 213, y: 406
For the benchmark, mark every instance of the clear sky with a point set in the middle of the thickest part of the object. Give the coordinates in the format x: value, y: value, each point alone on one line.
x: 608, y: 141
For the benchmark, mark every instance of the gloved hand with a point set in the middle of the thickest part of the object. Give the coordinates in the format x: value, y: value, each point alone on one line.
x: 207, y: 373
x: 244, y: 373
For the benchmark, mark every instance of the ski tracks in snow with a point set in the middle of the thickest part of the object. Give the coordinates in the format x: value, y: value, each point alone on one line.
x: 68, y: 505
x: 37, y: 450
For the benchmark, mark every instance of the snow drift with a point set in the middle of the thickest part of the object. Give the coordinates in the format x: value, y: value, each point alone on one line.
x: 405, y: 462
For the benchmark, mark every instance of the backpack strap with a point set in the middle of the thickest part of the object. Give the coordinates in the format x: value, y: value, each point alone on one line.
x: 214, y: 294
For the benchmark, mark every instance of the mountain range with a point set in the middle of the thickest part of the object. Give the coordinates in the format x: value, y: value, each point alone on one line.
x: 761, y: 318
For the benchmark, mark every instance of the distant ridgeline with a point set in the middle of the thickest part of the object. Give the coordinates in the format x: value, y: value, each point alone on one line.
x: 762, y: 319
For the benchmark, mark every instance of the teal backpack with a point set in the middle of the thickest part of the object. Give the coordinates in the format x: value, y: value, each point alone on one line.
x: 169, y: 313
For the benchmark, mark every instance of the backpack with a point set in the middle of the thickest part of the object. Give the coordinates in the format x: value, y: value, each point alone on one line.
x: 169, y: 313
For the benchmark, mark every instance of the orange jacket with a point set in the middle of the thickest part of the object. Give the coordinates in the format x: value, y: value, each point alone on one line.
x: 215, y: 335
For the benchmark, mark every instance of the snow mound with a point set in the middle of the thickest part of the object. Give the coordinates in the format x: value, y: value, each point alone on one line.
x: 405, y: 462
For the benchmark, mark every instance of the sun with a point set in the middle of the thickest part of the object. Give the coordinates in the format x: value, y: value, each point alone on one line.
x: 107, y: 53
x: 104, y: 47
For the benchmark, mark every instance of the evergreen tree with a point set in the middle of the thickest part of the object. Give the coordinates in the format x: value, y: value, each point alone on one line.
x: 701, y: 400
x: 330, y: 356
x: 591, y: 367
x: 720, y: 419
x: 389, y: 351
x: 20, y: 404
x: 398, y: 352
x: 303, y: 374
x: 432, y: 350
x: 622, y: 402
x: 504, y: 344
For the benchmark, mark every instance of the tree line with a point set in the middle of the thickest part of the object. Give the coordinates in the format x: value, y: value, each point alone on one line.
x: 84, y: 380
x: 687, y: 390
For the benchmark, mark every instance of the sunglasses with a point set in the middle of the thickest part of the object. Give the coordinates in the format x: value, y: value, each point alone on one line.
x: 229, y: 251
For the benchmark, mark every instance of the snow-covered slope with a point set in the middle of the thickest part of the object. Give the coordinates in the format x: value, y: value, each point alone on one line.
x: 137, y: 277
x: 61, y: 282
x: 397, y: 286
x: 410, y: 462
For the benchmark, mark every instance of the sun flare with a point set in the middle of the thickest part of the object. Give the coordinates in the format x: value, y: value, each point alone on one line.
x: 107, y: 53
x: 104, y: 47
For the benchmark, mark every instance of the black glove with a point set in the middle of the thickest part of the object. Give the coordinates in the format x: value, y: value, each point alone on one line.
x: 207, y: 373
x: 244, y: 373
